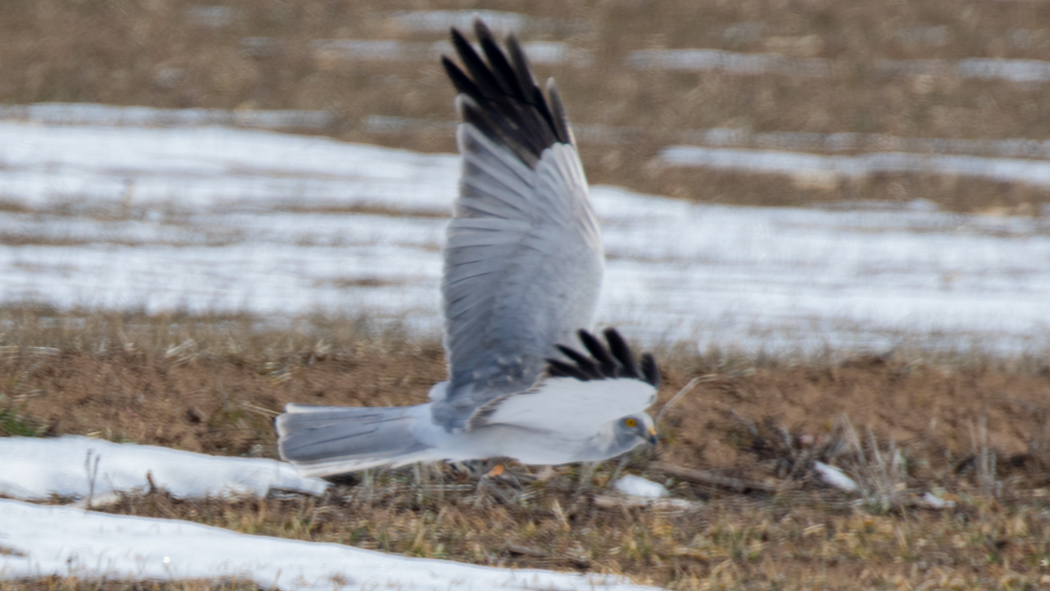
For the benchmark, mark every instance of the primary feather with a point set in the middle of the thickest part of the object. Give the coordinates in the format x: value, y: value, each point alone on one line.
x: 523, y: 258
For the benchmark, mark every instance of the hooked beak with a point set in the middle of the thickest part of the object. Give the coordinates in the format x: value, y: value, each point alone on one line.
x: 652, y: 436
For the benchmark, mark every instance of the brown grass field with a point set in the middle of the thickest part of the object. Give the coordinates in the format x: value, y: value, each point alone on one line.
x: 971, y: 429
x: 163, y: 53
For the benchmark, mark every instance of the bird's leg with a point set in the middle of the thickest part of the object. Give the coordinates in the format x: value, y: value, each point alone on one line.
x: 545, y: 474
x: 587, y: 470
x: 496, y: 469
x: 502, y: 471
x: 469, y: 469
x: 505, y: 495
x: 619, y: 468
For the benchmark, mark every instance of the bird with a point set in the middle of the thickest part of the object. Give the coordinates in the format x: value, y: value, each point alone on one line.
x: 523, y: 265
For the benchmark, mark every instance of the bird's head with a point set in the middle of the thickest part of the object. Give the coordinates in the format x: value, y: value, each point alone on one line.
x: 634, y: 430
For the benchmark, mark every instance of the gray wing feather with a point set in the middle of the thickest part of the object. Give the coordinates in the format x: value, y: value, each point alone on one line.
x: 523, y: 258
x: 523, y: 266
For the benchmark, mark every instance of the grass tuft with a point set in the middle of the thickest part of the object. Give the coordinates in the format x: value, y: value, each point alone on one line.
x: 14, y: 422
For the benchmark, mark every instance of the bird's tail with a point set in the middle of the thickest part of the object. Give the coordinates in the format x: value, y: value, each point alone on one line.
x: 329, y: 440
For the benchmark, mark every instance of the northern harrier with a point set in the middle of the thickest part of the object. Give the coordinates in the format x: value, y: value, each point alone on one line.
x: 523, y: 270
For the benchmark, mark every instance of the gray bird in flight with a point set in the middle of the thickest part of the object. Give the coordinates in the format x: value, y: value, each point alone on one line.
x: 522, y: 275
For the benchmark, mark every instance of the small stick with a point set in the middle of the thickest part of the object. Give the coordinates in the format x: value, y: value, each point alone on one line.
x: 258, y: 409
x: 685, y: 389
x: 659, y: 504
x: 710, y: 478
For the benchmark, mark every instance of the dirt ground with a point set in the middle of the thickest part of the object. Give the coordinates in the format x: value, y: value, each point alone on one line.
x: 974, y: 431
x: 260, y: 56
x: 225, y: 404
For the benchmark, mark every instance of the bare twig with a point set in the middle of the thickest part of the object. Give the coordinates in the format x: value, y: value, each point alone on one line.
x: 92, y: 473
x: 662, y: 504
x: 985, y: 456
x: 534, y: 552
x: 525, y: 550
x: 880, y: 475
x: 712, y: 479
x: 747, y: 424
x: 685, y: 390
x: 266, y: 412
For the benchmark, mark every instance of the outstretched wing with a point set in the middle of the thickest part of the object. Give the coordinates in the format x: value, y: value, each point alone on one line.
x: 523, y: 259
x: 580, y: 394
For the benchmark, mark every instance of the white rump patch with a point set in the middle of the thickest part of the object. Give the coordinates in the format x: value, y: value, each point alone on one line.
x: 568, y: 405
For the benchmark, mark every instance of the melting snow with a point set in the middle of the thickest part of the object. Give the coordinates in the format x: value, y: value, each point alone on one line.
x: 696, y: 59
x: 209, y: 218
x: 724, y: 137
x: 640, y: 487
x: 39, y: 541
x: 439, y: 21
x: 1032, y: 172
x: 93, y: 114
x: 835, y: 477
x: 539, y: 52
x: 74, y: 466
x: 728, y: 61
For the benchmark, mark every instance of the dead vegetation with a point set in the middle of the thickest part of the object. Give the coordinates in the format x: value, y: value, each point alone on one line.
x: 249, y: 54
x: 781, y: 541
x: 942, y: 479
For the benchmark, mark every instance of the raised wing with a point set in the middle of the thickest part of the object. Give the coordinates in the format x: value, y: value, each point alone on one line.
x: 523, y: 259
x: 579, y: 395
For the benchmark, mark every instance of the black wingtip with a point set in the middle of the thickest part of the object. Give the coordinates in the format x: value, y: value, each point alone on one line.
x: 585, y: 364
x: 558, y: 116
x: 622, y: 352
x: 557, y: 368
x: 650, y: 370
x: 599, y: 352
x: 460, y: 81
x: 502, y: 85
x: 616, y: 361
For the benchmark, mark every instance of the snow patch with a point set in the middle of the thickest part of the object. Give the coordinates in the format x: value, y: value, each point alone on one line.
x: 697, y: 59
x: 95, y: 114
x: 539, y: 52
x: 728, y: 61
x: 835, y: 477
x: 75, y: 466
x: 42, y: 541
x: 796, y: 164
x: 439, y: 21
x: 220, y: 219
x: 787, y: 141
x: 637, y: 486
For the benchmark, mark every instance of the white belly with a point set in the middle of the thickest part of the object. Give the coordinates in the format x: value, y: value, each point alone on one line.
x: 528, y: 446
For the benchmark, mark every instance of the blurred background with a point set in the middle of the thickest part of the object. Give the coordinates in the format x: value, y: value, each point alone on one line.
x: 821, y: 77
x: 177, y: 154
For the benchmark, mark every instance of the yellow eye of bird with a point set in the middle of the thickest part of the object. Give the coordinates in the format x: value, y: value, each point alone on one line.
x: 630, y: 422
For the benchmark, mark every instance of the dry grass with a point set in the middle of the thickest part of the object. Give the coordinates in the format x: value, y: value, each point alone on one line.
x: 785, y: 541
x: 164, y: 54
x: 963, y: 430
